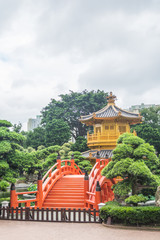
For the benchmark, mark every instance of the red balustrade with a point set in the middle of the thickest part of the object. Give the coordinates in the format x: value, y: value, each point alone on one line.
x: 99, y: 187
x: 96, y: 187
x: 45, y: 184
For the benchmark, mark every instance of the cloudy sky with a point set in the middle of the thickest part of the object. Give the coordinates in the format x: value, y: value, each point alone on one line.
x: 48, y: 47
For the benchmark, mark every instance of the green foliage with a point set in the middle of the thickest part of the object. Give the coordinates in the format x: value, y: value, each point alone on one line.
x: 120, y: 168
x: 66, y: 153
x: 30, y: 149
x: 135, y: 199
x: 5, y: 199
x: 50, y: 160
x: 123, y: 136
x: 4, y: 166
x: 112, y: 203
x: 149, y: 130
x: 122, y: 188
x: 80, y: 144
x: 3, y: 185
x: 70, y: 107
x: 17, y: 127
x: 150, y: 134
x: 56, y: 132
x: 60, y: 119
x: 135, y: 162
x: 151, y: 116
x: 5, y: 147
x: 121, y: 151
x: 35, y: 138
x: 86, y: 165
x: 32, y: 187
x: 9, y: 143
x: 134, y: 141
x: 5, y: 123
x: 131, y: 215
x: 40, y: 147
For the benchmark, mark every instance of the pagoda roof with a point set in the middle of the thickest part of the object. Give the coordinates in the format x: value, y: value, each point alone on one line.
x: 102, y: 153
x: 109, y: 112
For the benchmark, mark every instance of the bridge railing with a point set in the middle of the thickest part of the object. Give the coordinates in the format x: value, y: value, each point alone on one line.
x: 45, y: 184
x: 92, y: 184
x: 63, y: 167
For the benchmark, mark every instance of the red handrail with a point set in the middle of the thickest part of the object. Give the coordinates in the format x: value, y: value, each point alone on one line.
x: 58, y: 173
x: 94, y: 176
x: 44, y: 186
x: 49, y: 171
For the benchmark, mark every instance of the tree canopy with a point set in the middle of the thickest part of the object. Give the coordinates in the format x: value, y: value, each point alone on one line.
x: 80, y: 144
x: 151, y: 116
x: 149, y: 130
x: 150, y: 134
x: 71, y: 106
x: 135, y: 162
x: 60, y: 119
x: 9, y: 143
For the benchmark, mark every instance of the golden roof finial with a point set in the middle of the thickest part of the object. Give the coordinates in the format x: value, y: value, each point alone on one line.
x: 111, y: 98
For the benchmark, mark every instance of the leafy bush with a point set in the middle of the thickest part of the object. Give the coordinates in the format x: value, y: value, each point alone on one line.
x: 32, y: 187
x: 112, y: 203
x: 147, y: 215
x: 3, y: 185
x: 135, y: 199
x: 86, y: 165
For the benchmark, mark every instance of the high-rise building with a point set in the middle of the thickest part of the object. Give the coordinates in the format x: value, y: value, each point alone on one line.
x: 138, y: 108
x: 33, y: 123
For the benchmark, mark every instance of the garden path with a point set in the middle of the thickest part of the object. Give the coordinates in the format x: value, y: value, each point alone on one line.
x: 69, y: 231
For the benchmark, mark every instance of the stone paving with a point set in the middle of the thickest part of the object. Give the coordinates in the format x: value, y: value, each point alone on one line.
x: 16, y: 230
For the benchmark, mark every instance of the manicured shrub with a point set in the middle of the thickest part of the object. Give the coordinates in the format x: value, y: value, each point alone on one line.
x: 135, y: 199
x: 147, y: 215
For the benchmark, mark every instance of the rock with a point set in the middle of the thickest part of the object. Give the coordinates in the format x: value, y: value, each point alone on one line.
x: 157, y: 196
x: 29, y: 196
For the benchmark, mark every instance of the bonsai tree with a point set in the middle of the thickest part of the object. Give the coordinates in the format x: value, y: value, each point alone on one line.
x: 135, y: 162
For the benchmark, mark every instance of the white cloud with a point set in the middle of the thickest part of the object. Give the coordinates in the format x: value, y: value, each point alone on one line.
x: 48, y: 47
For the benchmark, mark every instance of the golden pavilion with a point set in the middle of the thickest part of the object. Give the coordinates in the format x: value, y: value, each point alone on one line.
x: 108, y: 124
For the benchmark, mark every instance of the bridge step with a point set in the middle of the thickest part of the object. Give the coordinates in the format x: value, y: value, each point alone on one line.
x: 68, y: 192
x: 65, y: 200
x: 65, y: 196
x: 63, y: 205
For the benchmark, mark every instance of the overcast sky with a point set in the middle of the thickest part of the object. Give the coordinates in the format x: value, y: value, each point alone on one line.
x: 48, y: 47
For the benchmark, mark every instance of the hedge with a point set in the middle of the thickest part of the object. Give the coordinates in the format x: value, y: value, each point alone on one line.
x: 147, y: 215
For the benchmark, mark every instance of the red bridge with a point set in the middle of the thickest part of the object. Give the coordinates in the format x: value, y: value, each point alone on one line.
x: 65, y: 186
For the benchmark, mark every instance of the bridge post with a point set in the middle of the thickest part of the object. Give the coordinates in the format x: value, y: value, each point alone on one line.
x: 40, y: 192
x: 86, y: 187
x: 98, y: 159
x: 72, y: 162
x: 98, y: 195
x: 13, y: 197
x: 59, y: 162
